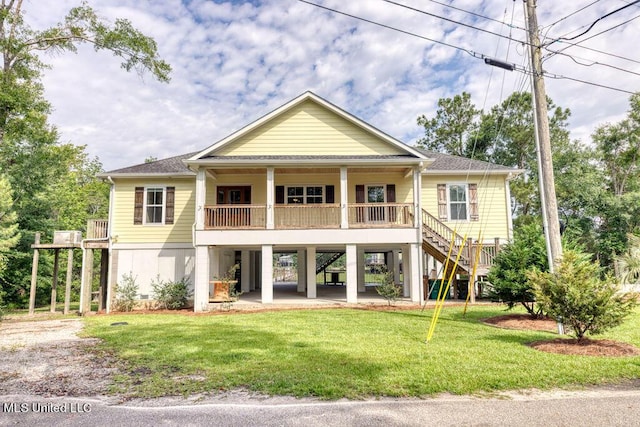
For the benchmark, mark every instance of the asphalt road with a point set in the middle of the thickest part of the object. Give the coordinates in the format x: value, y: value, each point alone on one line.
x: 598, y: 407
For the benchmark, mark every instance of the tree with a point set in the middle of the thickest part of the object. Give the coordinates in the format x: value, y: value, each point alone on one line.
x: 629, y: 262
x: 450, y: 130
x: 577, y: 294
x: 9, y: 235
x: 54, y: 184
x: 508, y: 273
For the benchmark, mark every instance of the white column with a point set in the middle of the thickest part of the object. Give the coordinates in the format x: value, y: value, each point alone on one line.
x: 201, y: 195
x: 201, y: 279
x: 254, y: 274
x: 302, y: 270
x: 361, y: 270
x: 344, y: 207
x: 270, y: 199
x: 415, y: 273
x: 352, y: 274
x: 417, y: 203
x: 311, y: 272
x: 245, y: 270
x: 267, y: 274
x: 406, y: 268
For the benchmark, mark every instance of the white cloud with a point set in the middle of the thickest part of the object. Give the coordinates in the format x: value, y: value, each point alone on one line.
x: 235, y: 61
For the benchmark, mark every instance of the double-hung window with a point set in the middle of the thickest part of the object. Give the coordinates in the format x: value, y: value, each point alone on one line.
x: 305, y: 195
x: 458, y: 202
x: 154, y: 205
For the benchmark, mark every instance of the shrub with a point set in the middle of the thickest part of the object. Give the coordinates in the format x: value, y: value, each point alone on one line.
x: 171, y: 295
x: 508, y: 273
x: 578, y: 295
x: 388, y: 289
x: 126, y: 293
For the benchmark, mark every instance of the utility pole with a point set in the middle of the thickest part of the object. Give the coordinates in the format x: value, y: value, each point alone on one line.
x: 545, y: 162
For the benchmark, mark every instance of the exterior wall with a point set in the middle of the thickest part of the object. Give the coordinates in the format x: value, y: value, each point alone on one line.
x: 147, y: 264
x: 404, y: 186
x: 492, y: 206
x: 305, y: 128
x: 124, y: 231
x: 257, y: 182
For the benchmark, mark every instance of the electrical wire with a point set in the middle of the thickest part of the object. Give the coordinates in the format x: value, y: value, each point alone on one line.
x: 454, y: 21
x: 571, y: 14
x: 479, y: 15
x: 575, y: 59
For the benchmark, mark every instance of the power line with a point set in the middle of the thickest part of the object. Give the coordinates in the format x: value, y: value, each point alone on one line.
x: 454, y: 21
x: 573, y: 13
x: 477, y: 14
x: 468, y: 51
x: 575, y: 59
x: 596, y: 50
x: 596, y: 21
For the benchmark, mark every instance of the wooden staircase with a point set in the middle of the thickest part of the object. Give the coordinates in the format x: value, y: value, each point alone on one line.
x: 437, y: 239
x: 326, y: 259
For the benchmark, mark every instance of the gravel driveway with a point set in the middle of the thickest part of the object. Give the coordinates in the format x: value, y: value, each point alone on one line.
x: 47, y: 358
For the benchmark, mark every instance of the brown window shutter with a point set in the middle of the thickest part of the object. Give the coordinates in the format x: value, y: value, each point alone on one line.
x: 330, y: 194
x: 138, y: 203
x: 391, y: 193
x: 473, y: 202
x: 442, y: 202
x: 359, y: 193
x: 169, y: 207
x: 279, y: 194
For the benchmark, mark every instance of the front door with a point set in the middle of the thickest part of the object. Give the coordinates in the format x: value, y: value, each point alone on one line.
x: 236, y: 216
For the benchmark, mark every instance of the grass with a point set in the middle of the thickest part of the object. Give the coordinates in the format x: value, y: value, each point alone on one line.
x: 348, y: 353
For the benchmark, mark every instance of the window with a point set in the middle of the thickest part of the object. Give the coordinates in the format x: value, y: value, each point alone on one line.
x: 154, y: 205
x: 305, y: 195
x: 458, y: 202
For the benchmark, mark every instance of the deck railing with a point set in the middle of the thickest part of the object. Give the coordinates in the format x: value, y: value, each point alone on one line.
x: 235, y: 216
x: 307, y: 216
x: 364, y: 215
x: 97, y: 229
x: 369, y: 215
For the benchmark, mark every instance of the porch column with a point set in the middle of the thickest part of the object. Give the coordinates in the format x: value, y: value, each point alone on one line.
x: 352, y: 273
x: 413, y: 270
x: 361, y: 270
x: 311, y: 272
x: 201, y: 195
x: 255, y: 262
x: 302, y: 271
x: 417, y: 205
x: 406, y: 269
x: 245, y: 271
x: 267, y: 273
x: 344, y: 207
x: 201, y: 279
x: 270, y: 200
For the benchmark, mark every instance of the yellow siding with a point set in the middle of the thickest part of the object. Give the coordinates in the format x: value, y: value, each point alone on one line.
x: 404, y: 186
x: 258, y: 184
x: 492, y: 205
x: 308, y: 129
x: 123, y: 229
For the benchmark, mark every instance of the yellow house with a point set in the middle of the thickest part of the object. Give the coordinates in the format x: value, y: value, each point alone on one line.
x: 308, y: 179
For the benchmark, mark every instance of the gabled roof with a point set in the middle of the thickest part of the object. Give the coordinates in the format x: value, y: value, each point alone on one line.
x: 209, y: 152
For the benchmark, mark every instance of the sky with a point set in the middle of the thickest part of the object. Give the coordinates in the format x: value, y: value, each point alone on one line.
x: 235, y: 61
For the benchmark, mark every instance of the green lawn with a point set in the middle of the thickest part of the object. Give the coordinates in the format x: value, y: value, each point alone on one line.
x: 349, y: 353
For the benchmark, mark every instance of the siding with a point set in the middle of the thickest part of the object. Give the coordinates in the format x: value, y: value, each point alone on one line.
x: 308, y: 129
x: 492, y: 206
x: 404, y: 186
x: 124, y: 231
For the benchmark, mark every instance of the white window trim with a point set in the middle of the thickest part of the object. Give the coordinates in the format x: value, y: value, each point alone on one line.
x: 164, y: 205
x: 466, y: 198
x: 366, y: 192
x: 304, y: 195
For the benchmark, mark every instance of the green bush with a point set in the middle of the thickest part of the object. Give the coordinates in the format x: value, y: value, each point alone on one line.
x: 508, y: 273
x: 578, y: 295
x: 388, y: 289
x: 126, y: 293
x: 171, y: 295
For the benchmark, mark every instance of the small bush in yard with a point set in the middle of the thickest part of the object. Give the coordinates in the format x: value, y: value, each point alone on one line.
x: 171, y: 295
x: 388, y: 289
x: 577, y: 294
x: 126, y: 293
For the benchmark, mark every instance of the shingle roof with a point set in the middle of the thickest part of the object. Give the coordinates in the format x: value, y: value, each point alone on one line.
x: 448, y: 162
x: 169, y: 166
